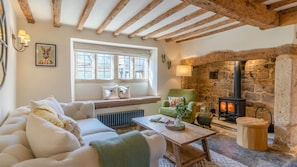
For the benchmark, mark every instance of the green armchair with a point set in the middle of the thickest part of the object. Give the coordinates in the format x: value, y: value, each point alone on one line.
x: 189, y: 96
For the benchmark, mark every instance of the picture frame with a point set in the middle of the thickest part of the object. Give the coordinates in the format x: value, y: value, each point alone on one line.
x: 45, y: 54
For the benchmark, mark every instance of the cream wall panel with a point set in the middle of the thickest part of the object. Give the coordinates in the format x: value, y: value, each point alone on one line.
x: 243, y: 38
x: 36, y: 82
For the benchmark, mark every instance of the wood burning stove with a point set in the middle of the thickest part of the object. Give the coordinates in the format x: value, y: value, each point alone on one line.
x: 233, y: 107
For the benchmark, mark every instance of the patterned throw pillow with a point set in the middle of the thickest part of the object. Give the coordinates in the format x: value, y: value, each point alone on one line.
x: 110, y: 92
x: 124, y: 92
x: 174, y: 101
x: 48, y: 113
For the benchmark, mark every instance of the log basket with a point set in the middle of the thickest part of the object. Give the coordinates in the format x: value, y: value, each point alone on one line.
x: 271, y: 125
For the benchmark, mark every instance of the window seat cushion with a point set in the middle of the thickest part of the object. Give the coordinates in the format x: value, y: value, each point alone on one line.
x: 125, y: 102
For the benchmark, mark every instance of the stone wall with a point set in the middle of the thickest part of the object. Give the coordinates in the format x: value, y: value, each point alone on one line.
x: 215, y: 80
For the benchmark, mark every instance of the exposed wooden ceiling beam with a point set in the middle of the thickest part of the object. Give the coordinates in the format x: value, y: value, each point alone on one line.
x: 259, y: 1
x: 26, y: 10
x: 200, y: 30
x: 245, y: 11
x: 280, y: 4
x: 160, y: 18
x: 56, y: 12
x: 189, y: 27
x: 213, y: 32
x: 85, y: 14
x: 175, y: 23
x: 112, y: 15
x: 139, y: 15
x: 288, y: 16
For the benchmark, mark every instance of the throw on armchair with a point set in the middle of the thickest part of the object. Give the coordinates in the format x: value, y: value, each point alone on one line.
x: 175, y: 96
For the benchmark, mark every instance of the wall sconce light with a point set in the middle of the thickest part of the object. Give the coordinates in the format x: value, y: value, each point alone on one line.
x: 163, y: 56
x: 24, y: 41
x: 169, y: 64
x: 183, y: 70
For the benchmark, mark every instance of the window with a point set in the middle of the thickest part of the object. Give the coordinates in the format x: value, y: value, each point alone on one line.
x: 105, y: 66
x: 85, y: 65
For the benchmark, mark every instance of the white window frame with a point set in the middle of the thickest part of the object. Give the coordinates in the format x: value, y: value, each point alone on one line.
x: 115, y: 69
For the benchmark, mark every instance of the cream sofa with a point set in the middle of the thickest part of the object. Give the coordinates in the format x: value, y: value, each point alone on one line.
x: 23, y: 142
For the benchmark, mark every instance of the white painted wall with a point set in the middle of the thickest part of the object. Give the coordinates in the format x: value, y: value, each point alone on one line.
x: 243, y: 38
x: 36, y: 82
x: 8, y: 90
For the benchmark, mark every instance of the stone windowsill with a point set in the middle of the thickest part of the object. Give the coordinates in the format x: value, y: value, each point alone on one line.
x: 126, y: 102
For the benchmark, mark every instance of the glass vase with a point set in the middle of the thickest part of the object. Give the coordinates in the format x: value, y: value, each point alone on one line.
x: 177, y: 121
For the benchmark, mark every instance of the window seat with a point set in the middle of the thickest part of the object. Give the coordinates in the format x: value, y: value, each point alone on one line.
x: 126, y: 102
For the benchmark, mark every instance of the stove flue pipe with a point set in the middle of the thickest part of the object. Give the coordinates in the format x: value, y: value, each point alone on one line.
x: 237, y: 80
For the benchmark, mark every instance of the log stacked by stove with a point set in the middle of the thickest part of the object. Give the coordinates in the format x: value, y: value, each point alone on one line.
x: 233, y: 107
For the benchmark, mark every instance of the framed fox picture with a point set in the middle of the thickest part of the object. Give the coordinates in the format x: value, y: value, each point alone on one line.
x: 45, y: 54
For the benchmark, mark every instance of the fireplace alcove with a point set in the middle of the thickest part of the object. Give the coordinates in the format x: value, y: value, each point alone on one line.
x: 282, y: 61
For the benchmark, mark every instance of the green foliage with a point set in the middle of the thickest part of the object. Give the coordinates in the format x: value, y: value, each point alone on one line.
x: 182, y: 110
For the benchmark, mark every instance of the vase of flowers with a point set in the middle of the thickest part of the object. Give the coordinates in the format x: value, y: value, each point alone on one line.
x: 182, y: 110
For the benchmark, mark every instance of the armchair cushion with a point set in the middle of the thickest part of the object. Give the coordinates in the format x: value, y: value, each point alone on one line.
x: 174, y: 101
x: 189, y: 96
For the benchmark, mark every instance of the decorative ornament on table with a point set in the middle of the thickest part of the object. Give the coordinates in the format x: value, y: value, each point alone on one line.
x: 182, y: 110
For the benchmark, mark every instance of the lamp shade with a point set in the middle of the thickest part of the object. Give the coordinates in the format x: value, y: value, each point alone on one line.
x: 183, y: 70
x: 22, y: 34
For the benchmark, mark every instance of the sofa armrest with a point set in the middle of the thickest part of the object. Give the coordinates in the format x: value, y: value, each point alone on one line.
x: 157, y: 145
x: 165, y: 103
x: 79, y: 110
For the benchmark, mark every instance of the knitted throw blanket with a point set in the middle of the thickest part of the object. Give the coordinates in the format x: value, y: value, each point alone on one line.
x: 126, y: 150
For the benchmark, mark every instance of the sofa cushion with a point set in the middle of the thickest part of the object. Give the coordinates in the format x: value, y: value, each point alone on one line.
x: 18, y: 137
x: 79, y: 110
x: 92, y: 125
x: 20, y: 152
x: 48, y: 113
x: 174, y: 101
x: 13, y: 124
x: 47, y: 139
x: 99, y: 136
x: 71, y: 126
x: 50, y: 101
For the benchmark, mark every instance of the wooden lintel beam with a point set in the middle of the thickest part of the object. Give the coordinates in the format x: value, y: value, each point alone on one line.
x: 139, y: 15
x: 160, y: 18
x: 288, y: 16
x: 112, y: 15
x: 243, y: 55
x: 246, y: 11
x: 56, y: 12
x: 212, y: 32
x: 85, y: 14
x: 26, y: 10
x: 175, y: 23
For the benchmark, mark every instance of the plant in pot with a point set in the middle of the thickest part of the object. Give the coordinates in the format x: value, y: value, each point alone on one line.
x: 182, y: 110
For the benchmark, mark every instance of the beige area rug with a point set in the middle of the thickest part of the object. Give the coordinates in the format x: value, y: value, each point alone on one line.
x: 217, y: 160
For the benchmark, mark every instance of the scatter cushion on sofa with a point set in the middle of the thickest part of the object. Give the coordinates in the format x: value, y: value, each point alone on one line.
x: 124, y: 92
x: 174, y: 101
x: 110, y: 92
x: 47, y: 139
x: 50, y: 101
x: 71, y: 126
x: 47, y: 113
